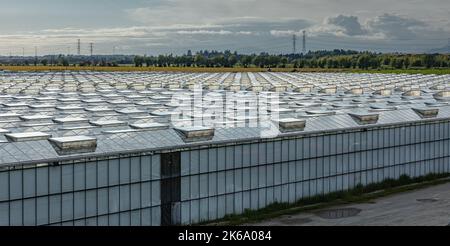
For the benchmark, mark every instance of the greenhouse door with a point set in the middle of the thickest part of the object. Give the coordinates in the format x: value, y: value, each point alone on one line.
x: 170, y: 189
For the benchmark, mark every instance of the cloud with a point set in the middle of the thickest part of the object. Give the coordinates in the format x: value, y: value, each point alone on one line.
x: 348, y: 25
x: 383, y: 27
x: 174, y: 26
x: 214, y: 32
x: 204, y: 32
x: 283, y: 33
x: 396, y: 27
x: 245, y: 33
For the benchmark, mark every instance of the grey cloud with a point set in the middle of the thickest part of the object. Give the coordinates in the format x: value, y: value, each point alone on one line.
x: 396, y: 27
x: 349, y: 25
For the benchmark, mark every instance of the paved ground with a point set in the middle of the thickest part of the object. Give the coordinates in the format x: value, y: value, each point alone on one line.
x: 429, y: 206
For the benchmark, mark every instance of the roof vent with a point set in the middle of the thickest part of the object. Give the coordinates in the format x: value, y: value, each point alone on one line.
x: 304, y: 89
x: 150, y: 126
x: 73, y: 144
x: 380, y: 107
x: 15, y: 105
x: 9, y: 116
x: 108, y: 123
x: 39, y: 124
x: 2, y: 131
x: 412, y: 93
x: 194, y: 134
x: 355, y: 91
x: 290, y: 124
x: 320, y: 112
x: 123, y: 131
x: 256, y: 88
x: 99, y: 109
x: 130, y: 111
x: 437, y: 87
x: 383, y: 92
x: 328, y: 90
x: 70, y: 120
x: 41, y: 106
x: 442, y: 95
x: 364, y: 118
x: 27, y: 136
x: 35, y: 117
x: 426, y: 112
x: 278, y: 88
x: 69, y: 108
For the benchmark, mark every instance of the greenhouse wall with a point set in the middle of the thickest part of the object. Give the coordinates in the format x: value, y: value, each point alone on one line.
x: 116, y: 191
x: 190, y: 185
x: 227, y: 180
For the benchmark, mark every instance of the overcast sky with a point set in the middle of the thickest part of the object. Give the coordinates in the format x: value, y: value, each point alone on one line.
x: 174, y: 26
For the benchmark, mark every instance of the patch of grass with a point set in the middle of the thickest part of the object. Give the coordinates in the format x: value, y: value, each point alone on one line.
x: 359, y: 193
x: 406, y: 71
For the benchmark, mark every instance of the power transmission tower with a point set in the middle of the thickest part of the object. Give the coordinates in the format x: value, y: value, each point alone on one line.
x: 79, y: 47
x: 91, y: 47
x: 294, y: 40
x: 35, y: 56
x: 23, y: 52
x: 304, y: 42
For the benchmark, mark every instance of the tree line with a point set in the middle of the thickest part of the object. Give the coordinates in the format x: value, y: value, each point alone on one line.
x: 68, y: 60
x: 312, y: 59
x: 338, y: 58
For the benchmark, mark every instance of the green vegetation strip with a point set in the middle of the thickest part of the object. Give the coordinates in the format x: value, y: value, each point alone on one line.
x: 356, y: 195
x: 405, y: 71
x: 223, y: 69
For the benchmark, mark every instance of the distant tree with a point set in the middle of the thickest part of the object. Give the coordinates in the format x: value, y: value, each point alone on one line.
x: 407, y: 62
x: 429, y: 60
x: 259, y: 61
x: 283, y: 62
x: 218, y: 61
x: 364, y: 61
x: 417, y: 63
x: 273, y: 61
x: 138, y: 61
x: 387, y: 61
x: 246, y: 60
x: 199, y: 60
x: 232, y: 60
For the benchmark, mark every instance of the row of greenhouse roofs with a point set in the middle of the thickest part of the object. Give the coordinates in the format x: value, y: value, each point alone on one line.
x: 56, y: 116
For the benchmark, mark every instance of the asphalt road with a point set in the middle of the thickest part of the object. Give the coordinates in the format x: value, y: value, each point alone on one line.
x: 425, y: 207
